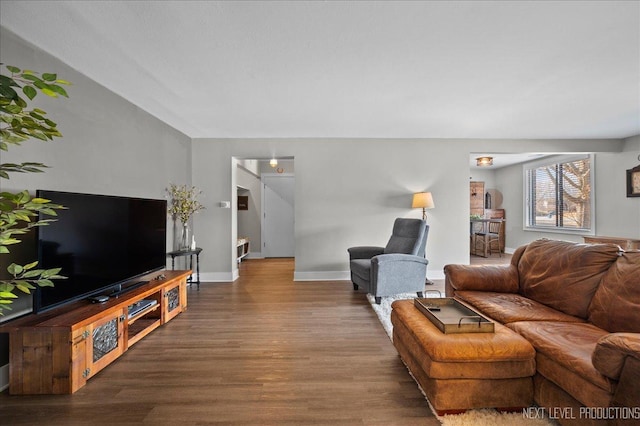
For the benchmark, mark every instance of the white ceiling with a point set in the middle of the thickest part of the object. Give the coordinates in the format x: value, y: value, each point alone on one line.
x: 502, y: 69
x: 503, y: 160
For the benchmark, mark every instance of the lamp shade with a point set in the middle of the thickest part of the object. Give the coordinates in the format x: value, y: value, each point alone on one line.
x: 422, y: 200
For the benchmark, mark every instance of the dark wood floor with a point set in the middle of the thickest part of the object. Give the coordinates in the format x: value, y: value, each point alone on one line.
x: 263, y: 350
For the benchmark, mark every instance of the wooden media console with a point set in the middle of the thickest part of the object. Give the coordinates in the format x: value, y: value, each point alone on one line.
x: 56, y: 352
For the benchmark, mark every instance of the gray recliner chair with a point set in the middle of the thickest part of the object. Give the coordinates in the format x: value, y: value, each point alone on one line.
x: 400, y: 267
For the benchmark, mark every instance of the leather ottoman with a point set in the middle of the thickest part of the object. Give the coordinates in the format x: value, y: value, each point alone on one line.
x: 464, y: 371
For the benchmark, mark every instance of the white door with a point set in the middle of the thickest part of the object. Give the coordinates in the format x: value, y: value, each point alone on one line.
x: 277, y: 224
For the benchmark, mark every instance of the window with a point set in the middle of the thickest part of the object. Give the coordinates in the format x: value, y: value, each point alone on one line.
x: 559, y: 194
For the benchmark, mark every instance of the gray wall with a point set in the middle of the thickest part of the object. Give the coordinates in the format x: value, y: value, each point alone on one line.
x: 348, y: 191
x: 616, y: 215
x: 109, y: 146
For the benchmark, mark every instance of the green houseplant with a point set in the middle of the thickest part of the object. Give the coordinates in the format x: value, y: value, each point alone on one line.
x: 19, y: 211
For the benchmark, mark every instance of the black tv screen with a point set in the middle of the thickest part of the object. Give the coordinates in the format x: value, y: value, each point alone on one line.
x: 101, y: 242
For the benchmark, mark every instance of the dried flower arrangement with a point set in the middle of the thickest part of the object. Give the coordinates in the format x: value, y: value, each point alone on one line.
x: 184, y: 202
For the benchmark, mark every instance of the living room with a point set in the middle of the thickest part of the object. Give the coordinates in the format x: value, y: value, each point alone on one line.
x: 352, y: 181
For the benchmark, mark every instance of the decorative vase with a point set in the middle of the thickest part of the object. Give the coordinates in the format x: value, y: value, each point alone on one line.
x: 185, y: 237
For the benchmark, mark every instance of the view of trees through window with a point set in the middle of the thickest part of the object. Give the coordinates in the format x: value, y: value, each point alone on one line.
x: 560, y: 195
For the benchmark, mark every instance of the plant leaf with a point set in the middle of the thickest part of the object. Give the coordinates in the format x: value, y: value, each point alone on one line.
x: 47, y: 91
x: 32, y: 274
x: 30, y: 265
x: 14, y: 269
x: 59, y: 90
x: 45, y: 283
x: 29, y: 91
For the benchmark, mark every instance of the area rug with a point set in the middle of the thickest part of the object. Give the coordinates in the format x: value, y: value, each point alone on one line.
x: 483, y: 417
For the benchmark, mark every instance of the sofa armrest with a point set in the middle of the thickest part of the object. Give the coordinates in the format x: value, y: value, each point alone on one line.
x: 364, y: 252
x: 609, y: 356
x: 496, y: 278
x: 627, y: 393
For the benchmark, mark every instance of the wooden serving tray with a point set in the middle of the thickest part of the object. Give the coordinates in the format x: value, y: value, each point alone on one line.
x: 451, y: 316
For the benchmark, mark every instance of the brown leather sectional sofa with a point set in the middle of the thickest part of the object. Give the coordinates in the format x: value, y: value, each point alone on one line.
x: 579, y: 306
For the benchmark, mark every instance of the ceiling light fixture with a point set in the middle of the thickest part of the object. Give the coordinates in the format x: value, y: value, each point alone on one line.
x: 273, y: 162
x: 484, y: 161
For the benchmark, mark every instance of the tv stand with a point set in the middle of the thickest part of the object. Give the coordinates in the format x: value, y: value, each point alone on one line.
x: 57, y: 351
x: 121, y: 289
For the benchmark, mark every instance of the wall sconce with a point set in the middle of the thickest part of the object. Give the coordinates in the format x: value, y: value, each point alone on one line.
x: 273, y: 162
x: 423, y: 200
x: 484, y: 161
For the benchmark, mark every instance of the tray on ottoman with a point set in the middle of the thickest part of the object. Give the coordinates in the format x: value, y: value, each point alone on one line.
x: 451, y: 316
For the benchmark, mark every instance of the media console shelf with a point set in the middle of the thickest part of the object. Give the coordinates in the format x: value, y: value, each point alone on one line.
x: 56, y: 352
x: 243, y: 248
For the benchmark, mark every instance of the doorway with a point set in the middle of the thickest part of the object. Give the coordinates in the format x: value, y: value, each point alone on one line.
x: 278, y: 215
x: 275, y: 237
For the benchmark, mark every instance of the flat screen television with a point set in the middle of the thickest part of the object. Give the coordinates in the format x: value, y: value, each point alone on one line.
x: 101, y: 242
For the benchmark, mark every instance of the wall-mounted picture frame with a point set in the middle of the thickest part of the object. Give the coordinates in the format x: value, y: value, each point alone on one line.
x: 243, y: 202
x: 633, y: 182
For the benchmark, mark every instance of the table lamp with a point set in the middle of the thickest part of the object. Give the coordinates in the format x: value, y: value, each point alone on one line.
x: 423, y: 200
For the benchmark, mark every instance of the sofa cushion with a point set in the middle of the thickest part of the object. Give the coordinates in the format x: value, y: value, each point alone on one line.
x: 577, y: 386
x: 510, y: 307
x: 569, y: 347
x: 564, y: 275
x: 408, y: 237
x: 616, y: 303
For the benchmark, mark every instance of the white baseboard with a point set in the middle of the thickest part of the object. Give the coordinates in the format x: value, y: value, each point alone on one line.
x: 218, y: 277
x: 435, y: 275
x: 4, y: 377
x: 225, y: 277
x: 346, y: 275
x: 322, y: 276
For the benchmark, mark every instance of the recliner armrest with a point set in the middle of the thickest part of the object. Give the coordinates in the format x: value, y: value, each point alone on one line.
x: 397, y: 273
x: 398, y: 257
x: 611, y: 351
x: 364, y: 252
x: 496, y: 278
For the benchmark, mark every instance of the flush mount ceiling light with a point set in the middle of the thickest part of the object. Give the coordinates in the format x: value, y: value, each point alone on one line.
x: 273, y: 162
x: 484, y: 161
